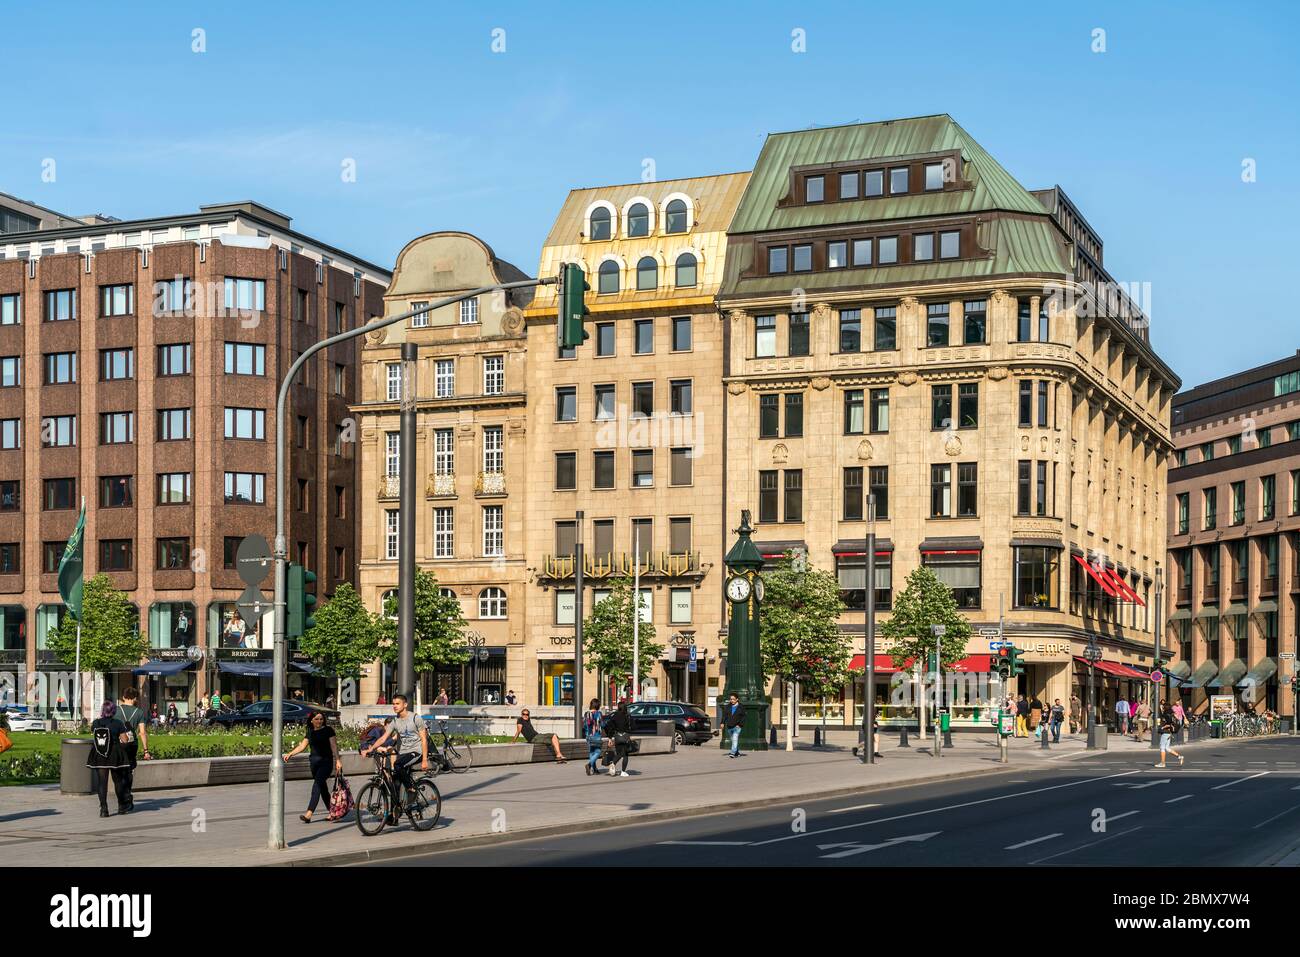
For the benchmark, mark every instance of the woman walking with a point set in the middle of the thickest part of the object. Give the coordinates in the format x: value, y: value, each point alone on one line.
x: 1167, y: 726
x: 591, y: 722
x: 621, y: 724
x: 324, y: 758
x: 108, y: 737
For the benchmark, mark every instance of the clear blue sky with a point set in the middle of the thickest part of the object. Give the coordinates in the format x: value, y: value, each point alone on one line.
x: 1148, y: 137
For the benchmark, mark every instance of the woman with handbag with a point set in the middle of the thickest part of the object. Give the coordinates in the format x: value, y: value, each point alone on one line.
x: 620, y: 723
x: 324, y: 758
x: 591, y: 722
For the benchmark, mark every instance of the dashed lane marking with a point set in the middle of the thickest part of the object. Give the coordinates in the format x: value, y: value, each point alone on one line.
x: 1037, y: 840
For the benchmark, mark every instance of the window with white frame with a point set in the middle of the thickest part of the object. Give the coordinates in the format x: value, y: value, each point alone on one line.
x: 493, y: 448
x: 394, y: 372
x: 493, y: 530
x: 11, y: 433
x: 247, y: 294
x: 444, y: 378
x: 11, y: 309
x: 58, y: 431
x: 245, y: 358
x: 420, y: 319
x: 392, y: 453
x: 444, y: 452
x: 492, y: 603
x: 468, y: 311
x: 494, y: 375
x: 444, y: 533
x: 390, y: 533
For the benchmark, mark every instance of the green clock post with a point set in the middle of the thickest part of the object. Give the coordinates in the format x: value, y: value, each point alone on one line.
x: 744, y: 593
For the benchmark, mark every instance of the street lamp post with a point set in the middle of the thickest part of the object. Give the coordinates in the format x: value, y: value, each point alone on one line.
x: 1093, y: 654
x: 275, y: 804
x: 406, y: 526
x: 869, y: 640
x: 1154, y: 696
x: 578, y: 559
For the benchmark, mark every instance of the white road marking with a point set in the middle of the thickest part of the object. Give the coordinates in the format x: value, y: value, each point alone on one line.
x: 1089, y: 844
x: 1138, y: 787
x: 856, y: 807
x: 853, y: 849
x: 704, y: 843
x: 1116, y: 817
x: 1273, y: 818
x: 1037, y: 840
x: 1175, y: 800
x: 1240, y: 781
x: 950, y: 807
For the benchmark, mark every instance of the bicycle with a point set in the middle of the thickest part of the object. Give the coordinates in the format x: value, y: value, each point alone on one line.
x: 380, y: 801
x: 455, y: 754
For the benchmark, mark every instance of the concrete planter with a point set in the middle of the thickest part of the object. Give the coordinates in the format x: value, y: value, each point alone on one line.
x: 473, y: 719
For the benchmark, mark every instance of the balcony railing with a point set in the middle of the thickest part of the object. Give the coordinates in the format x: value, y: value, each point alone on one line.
x: 390, y: 486
x: 622, y: 565
x: 441, y: 485
x: 490, y: 483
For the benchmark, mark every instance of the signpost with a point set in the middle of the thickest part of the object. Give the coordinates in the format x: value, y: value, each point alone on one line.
x: 1093, y: 654
x: 938, y: 631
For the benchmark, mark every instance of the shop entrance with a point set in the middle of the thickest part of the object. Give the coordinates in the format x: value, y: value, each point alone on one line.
x: 557, y: 684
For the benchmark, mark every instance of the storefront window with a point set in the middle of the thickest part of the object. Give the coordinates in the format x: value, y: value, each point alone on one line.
x: 172, y: 625
x: 227, y: 628
x: 13, y: 628
x: 680, y: 608
x: 1037, y: 576
x: 556, y: 682
x: 48, y: 619
x: 960, y: 571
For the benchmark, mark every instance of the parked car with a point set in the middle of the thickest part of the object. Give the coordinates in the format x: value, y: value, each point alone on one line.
x: 259, y: 712
x: 690, y: 722
x: 25, y: 721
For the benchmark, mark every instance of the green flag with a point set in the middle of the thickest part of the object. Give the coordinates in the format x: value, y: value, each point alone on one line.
x: 70, y: 577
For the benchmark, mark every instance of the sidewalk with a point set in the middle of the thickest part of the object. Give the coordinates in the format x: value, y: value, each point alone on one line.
x: 220, y: 826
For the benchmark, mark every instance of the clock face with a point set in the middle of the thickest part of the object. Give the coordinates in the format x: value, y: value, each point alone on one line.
x: 759, y: 590
x: 738, y: 589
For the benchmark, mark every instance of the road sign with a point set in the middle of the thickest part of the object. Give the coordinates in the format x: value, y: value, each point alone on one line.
x: 253, y: 605
x: 938, y: 630
x: 997, y: 645
x: 1287, y: 654
x: 253, y: 560
x: 986, y: 631
x: 693, y: 653
x: 1157, y: 676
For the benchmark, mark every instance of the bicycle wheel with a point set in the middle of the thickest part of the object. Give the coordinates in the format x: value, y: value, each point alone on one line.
x: 425, y: 806
x: 372, y: 808
x: 459, y: 755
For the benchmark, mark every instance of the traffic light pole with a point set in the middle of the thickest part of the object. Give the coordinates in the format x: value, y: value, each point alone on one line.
x: 275, y: 829
x: 406, y: 527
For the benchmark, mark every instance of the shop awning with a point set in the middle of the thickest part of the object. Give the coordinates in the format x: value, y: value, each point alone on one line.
x: 248, y: 669
x: 1232, y: 672
x: 1264, y: 608
x: 850, y: 546
x: 774, y: 551
x: 1179, y: 669
x: 976, y: 663
x: 156, y: 669
x: 305, y: 666
x: 1115, y: 668
x: 1264, y: 669
x: 952, y: 544
x: 1103, y: 582
x: 1126, y: 591
x: 1182, y: 614
x: 1208, y: 612
x: 1203, y: 673
x: 1236, y: 608
x: 884, y: 664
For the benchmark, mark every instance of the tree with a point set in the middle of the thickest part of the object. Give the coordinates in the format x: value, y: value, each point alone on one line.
x: 923, y: 602
x: 439, y: 627
x: 110, y: 630
x: 344, y: 638
x: 799, y: 632
x: 607, y: 635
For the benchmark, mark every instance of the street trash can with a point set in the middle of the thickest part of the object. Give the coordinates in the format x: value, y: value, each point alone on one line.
x: 944, y: 719
x: 665, y: 729
x: 1216, y: 729
x: 74, y: 776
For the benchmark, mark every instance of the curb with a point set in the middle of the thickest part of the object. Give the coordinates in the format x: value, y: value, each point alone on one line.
x: 703, y: 810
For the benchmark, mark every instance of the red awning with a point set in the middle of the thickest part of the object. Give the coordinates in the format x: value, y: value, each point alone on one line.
x: 1125, y: 589
x: 884, y: 664
x: 1116, y: 669
x: 978, y: 663
x: 1100, y: 579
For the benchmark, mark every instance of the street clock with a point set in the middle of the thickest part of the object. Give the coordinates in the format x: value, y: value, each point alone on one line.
x: 738, y: 589
x: 759, y: 589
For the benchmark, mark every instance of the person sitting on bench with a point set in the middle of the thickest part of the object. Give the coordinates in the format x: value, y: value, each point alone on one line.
x: 524, y: 726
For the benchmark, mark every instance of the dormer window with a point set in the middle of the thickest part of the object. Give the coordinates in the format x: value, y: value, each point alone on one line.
x: 814, y: 189
x: 849, y: 185
x: 898, y: 180
x: 778, y: 259
x: 933, y: 176
x: 638, y: 221
x: 675, y: 217
x: 686, y: 270
x: 875, y: 182
x: 923, y: 247
x: 950, y: 245
x: 647, y: 273
x: 600, y: 226
x: 803, y: 258
x: 607, y: 277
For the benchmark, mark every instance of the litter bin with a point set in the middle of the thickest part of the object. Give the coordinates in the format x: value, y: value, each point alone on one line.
x: 74, y: 776
x: 665, y: 729
x: 1216, y: 729
x: 943, y: 721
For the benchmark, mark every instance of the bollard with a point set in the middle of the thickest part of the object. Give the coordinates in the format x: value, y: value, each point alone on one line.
x: 817, y: 737
x: 902, y: 737
x: 771, y: 741
x: 1042, y: 733
x: 947, y: 737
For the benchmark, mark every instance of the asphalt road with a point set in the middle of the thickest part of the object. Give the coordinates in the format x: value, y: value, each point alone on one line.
x: 1238, y: 804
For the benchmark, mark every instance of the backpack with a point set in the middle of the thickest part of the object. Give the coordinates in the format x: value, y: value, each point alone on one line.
x: 341, y: 802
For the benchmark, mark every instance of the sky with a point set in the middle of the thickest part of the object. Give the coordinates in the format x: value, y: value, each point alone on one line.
x: 1172, y: 140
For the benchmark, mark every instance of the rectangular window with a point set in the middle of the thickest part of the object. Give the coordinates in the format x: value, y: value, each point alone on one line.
x: 468, y: 312
x: 768, y: 497
x: 794, y: 415
x: 1210, y: 496
x: 116, y: 363
x: 960, y: 571
x: 565, y: 606
x: 245, y: 488
x: 940, y: 407
x: 679, y: 536
x: 778, y: 259
x: 878, y: 478
x: 52, y: 554
x: 115, y: 555
x: 1042, y: 404
x: 494, y: 530
x: 643, y: 399
x: 679, y: 605
x: 682, y: 334
x: 1184, y: 509
x: 898, y: 180
x: 803, y: 258
x: 1024, y: 486
x: 60, y: 367
x: 10, y: 558
x: 764, y: 336
x: 887, y: 250
x: 11, y: 372
x: 602, y: 470
x: 643, y: 468
x: 933, y: 176
x: 886, y: 337
x: 644, y: 333
x: 494, y: 375
x: 936, y: 324
x: 444, y: 378
x: 1237, y: 491
x: 60, y: 305
x: 173, y: 553
x: 850, y: 330
x: 968, y: 405
x: 444, y: 452
x: 393, y: 381
x: 922, y: 247
x: 879, y: 410
x: 1044, y: 322
x: 116, y: 428
x: 421, y: 319
x: 974, y: 322
x: 11, y: 433
x: 566, y: 404
x: 643, y: 539
x: 175, y: 359
x: 444, y: 532
x: 493, y: 449
x: 875, y: 182
x: 566, y: 470
x: 1026, y: 412
x: 340, y: 379
x: 862, y: 252
x: 950, y: 245
x: 854, y: 411
x: 174, y: 488
x: 794, y: 495
x: 851, y: 570
x: 852, y: 486
x: 814, y: 189
x: 10, y: 496
x: 1040, y: 488
x: 797, y: 341
x: 246, y: 358
x: 59, y: 493
x: 116, y: 300
x: 604, y: 339
x: 681, y: 471
x: 300, y: 309
x: 245, y: 294
x: 1267, y: 496
x: 1037, y: 577
x: 680, y: 396
x: 173, y: 424
x: 941, y: 491
x: 849, y: 185
x: 392, y: 454
x: 392, y: 527
x: 1024, y: 321
x: 602, y: 536
x: 245, y: 424
x: 605, y: 402
x: 837, y: 254
x: 769, y: 416
x: 11, y: 309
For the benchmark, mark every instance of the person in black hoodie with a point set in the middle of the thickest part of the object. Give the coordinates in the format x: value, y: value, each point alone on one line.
x: 108, y: 736
x: 733, y: 719
x: 620, y: 722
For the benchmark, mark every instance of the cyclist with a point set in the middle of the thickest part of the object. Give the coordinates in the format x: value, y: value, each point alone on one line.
x: 413, y: 742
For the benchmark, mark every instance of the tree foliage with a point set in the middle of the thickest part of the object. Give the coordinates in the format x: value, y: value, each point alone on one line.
x: 110, y: 630
x: 607, y: 634
x: 439, y: 627
x: 799, y: 629
x: 345, y: 637
x: 923, y: 602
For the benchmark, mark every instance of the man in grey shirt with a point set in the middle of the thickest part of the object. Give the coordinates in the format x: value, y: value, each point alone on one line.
x: 412, y: 741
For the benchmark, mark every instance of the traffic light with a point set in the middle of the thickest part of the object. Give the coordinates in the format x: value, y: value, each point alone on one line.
x: 573, y: 307
x: 1002, y: 665
x: 299, y: 602
x: 1017, y: 666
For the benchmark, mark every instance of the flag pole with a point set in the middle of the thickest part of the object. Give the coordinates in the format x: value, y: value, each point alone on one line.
x: 76, y: 667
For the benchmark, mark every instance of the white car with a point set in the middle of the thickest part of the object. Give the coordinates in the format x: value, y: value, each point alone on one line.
x: 23, y: 721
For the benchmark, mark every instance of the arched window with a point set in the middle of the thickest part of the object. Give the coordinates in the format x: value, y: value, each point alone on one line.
x: 388, y: 604
x: 647, y: 273
x: 638, y: 221
x: 492, y: 603
x: 608, y: 277
x: 599, y: 228
x: 446, y: 593
x: 675, y: 217
x: 686, y: 269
